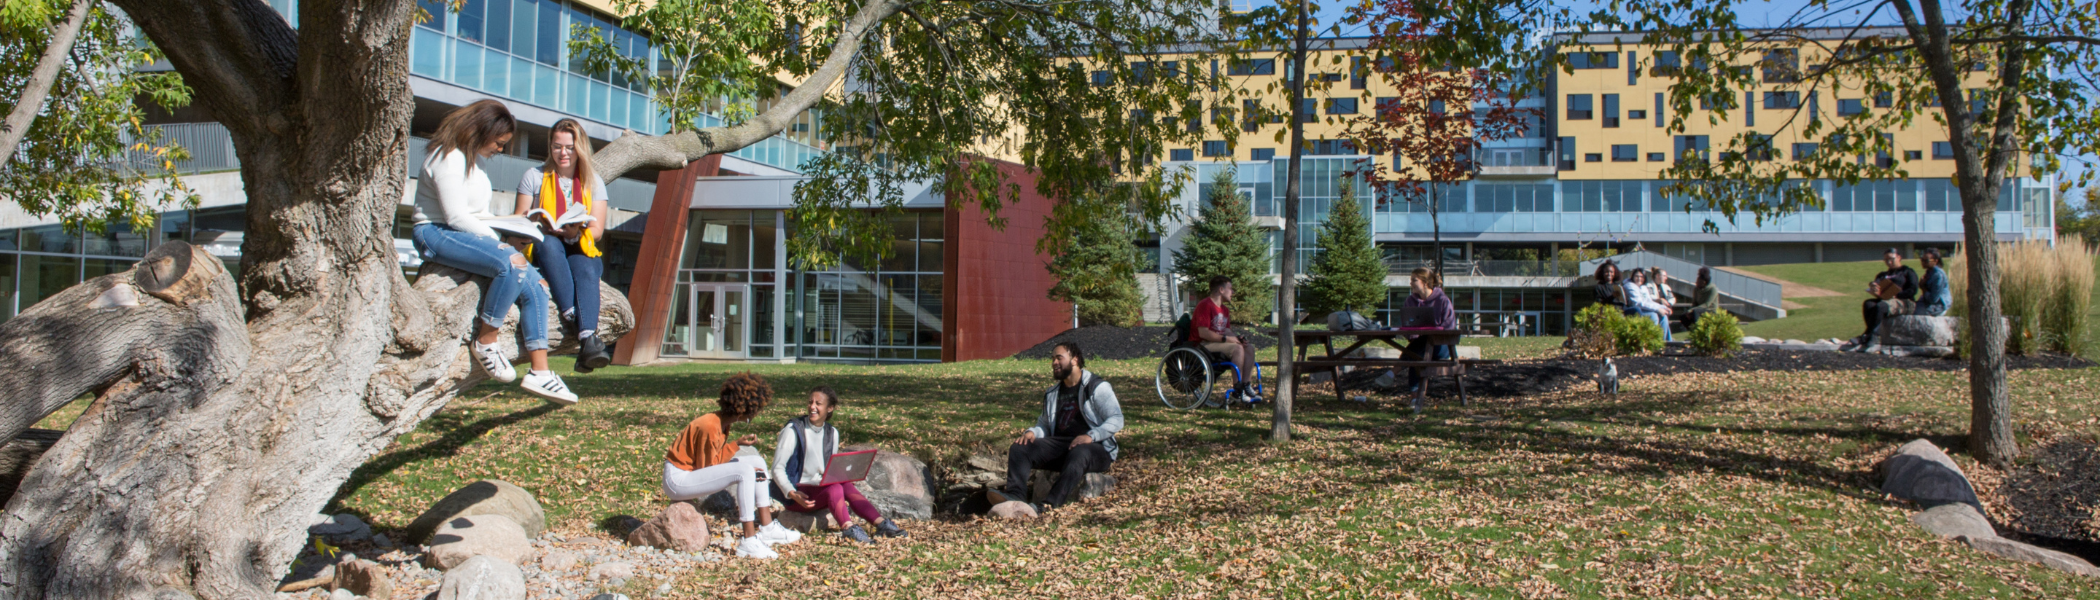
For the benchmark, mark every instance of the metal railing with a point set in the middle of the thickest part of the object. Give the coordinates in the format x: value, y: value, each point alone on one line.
x: 1683, y: 272
x: 209, y: 145
x: 1489, y: 268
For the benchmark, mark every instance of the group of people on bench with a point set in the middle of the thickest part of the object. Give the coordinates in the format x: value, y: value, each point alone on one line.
x: 1646, y: 293
x: 1074, y: 435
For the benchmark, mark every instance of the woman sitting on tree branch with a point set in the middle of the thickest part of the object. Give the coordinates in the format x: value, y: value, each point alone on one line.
x: 452, y: 198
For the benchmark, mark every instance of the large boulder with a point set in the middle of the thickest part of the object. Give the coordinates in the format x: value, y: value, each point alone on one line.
x: 2028, y: 553
x: 898, y: 474
x: 1919, y: 330
x: 900, y: 506
x: 492, y: 536
x: 677, y: 527
x: 340, y: 529
x: 485, y: 497
x: 1095, y: 486
x: 483, y: 578
x: 1919, y: 472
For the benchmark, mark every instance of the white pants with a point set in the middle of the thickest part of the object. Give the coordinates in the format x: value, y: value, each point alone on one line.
x: 740, y: 473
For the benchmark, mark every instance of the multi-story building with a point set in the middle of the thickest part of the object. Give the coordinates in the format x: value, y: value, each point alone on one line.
x: 700, y: 252
x: 1587, y: 177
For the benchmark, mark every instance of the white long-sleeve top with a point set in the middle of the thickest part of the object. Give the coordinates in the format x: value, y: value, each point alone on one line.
x: 814, y: 454
x: 1641, y: 297
x: 450, y: 194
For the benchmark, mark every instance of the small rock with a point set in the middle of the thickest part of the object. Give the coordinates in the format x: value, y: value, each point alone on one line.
x: 1013, y: 510
x: 612, y: 570
x: 609, y: 597
x: 341, y: 594
x: 342, y: 528
x: 2030, y: 554
x: 363, y: 578
x: 557, y: 561
x: 1795, y: 342
x: 806, y: 522
x: 460, y: 539
x: 382, y: 541
x: 676, y: 527
x: 1953, y: 521
x: 483, y: 578
x: 1751, y: 339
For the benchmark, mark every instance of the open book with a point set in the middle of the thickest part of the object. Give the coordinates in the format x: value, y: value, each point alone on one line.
x: 514, y: 226
x: 575, y: 215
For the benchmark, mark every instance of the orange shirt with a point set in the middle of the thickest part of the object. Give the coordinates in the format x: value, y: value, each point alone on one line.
x: 701, y: 445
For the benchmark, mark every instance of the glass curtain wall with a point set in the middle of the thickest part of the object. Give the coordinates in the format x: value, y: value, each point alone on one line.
x: 723, y: 305
x: 888, y: 310
x: 39, y: 262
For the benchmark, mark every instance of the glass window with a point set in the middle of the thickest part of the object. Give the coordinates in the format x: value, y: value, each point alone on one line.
x: 764, y: 236
x: 1851, y: 106
x: 466, y: 64
x: 495, y: 72
x: 1181, y: 154
x: 471, y: 13
x: 498, y: 19
x: 428, y: 57
x: 1579, y: 108
x: 438, y: 13
x: 1264, y: 153
x: 1341, y: 106
x: 46, y: 276
x: 1804, y: 150
x: 1215, y: 148
x: 1625, y: 152
x: 524, y: 27
x: 548, y: 45
x: 1611, y: 110
x: 1782, y: 99
x: 521, y: 79
x: 49, y: 238
x: 1942, y: 150
x: 1655, y: 157
x: 7, y: 286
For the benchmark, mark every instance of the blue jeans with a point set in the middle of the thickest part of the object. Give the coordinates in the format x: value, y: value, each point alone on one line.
x: 508, y: 284
x: 572, y: 276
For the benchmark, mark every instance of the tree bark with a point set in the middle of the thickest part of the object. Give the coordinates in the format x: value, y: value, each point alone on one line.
x: 1287, y: 293
x: 1979, y: 175
x: 41, y: 79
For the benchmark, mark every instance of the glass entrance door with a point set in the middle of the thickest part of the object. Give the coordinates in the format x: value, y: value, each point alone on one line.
x: 719, y: 323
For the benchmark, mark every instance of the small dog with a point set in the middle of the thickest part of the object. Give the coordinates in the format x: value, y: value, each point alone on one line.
x: 1608, y: 378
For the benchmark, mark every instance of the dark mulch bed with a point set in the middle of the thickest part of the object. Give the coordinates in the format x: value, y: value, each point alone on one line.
x: 1535, y: 377
x: 1122, y: 343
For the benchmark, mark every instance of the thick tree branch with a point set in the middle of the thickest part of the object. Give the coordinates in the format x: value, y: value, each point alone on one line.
x: 238, y: 54
x: 673, y: 150
x: 41, y: 79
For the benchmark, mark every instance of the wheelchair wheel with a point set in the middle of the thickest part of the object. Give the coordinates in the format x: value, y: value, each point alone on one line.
x: 1184, y: 378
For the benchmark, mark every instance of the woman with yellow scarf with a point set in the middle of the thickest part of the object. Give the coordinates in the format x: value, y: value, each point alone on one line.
x: 563, y: 189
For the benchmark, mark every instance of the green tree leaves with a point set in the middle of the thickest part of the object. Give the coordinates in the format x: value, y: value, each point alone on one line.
x: 1097, y: 272
x: 1225, y: 241
x: 1349, y: 272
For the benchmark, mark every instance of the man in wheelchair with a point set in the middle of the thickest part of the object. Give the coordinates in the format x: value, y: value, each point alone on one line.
x: 1210, y: 328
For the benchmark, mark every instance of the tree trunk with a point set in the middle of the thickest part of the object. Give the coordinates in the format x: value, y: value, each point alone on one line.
x: 41, y: 80
x: 1287, y: 293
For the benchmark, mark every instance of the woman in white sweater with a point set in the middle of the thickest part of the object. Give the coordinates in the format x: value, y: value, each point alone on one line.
x: 452, y: 197
x: 1640, y: 298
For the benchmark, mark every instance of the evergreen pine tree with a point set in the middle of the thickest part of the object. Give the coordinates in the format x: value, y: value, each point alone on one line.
x: 1097, y: 273
x: 1349, y: 272
x: 1225, y: 241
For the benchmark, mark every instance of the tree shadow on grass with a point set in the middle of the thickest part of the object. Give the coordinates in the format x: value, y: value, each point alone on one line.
x: 459, y: 433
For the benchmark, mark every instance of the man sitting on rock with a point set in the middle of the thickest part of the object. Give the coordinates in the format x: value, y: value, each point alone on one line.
x: 1075, y: 435
x: 1877, y: 310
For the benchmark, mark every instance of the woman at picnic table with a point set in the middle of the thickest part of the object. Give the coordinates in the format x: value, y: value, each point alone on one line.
x: 1427, y: 291
x: 702, y: 461
x: 1641, y: 299
x: 1706, y: 298
x: 805, y: 449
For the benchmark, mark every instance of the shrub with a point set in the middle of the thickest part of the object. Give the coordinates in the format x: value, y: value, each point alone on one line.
x: 1637, y: 336
x: 1592, y: 333
x: 1716, y: 333
x: 2045, y: 292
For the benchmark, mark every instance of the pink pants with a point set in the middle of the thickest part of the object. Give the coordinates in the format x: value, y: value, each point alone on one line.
x: 837, y: 497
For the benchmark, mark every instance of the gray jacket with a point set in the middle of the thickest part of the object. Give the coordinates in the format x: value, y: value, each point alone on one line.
x: 1104, y: 417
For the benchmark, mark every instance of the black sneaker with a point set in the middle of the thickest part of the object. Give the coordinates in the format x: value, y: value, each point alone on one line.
x: 996, y: 497
x: 592, y: 356
x: 855, y: 533
x: 889, y: 529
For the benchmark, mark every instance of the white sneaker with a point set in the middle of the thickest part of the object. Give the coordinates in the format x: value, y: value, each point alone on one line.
x: 773, y: 534
x: 493, y: 362
x: 548, y: 386
x: 752, y: 547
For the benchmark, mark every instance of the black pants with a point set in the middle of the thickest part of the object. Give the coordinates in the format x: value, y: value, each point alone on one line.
x: 1055, y: 453
x: 1875, y: 311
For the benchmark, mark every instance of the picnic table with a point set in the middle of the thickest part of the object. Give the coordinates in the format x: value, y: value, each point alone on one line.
x: 1334, y: 361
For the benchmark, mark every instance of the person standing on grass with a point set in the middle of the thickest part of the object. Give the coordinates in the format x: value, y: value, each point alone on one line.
x: 1075, y: 435
x: 1210, y: 326
x: 1641, y: 299
x: 569, y: 256
x: 701, y: 461
x: 452, y: 198
x: 1876, y: 310
x: 805, y: 448
x: 1934, y: 292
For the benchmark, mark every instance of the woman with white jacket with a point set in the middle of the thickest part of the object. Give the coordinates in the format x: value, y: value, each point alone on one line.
x: 452, y: 197
x: 1641, y: 299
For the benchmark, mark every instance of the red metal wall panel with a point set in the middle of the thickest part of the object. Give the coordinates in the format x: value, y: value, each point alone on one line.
x: 656, y: 269
x: 995, y: 294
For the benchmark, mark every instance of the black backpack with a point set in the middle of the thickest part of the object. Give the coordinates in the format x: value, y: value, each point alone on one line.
x: 1179, y: 335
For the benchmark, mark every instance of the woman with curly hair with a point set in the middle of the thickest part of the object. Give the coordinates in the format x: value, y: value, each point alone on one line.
x: 702, y: 461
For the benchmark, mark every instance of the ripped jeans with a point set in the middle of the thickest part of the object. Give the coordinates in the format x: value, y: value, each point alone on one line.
x: 508, y: 284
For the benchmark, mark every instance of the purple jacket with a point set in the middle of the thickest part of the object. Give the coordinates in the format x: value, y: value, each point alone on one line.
x: 1446, y: 317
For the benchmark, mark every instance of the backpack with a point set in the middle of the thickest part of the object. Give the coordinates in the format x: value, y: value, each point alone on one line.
x: 1347, y: 320
x: 1179, y: 335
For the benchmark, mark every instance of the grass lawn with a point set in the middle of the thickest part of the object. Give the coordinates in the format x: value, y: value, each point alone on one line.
x: 1752, y: 484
